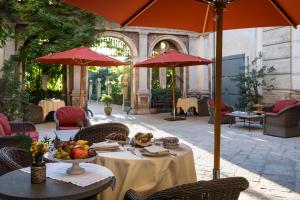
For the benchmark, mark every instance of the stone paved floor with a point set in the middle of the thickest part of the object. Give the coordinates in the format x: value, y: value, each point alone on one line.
x: 271, y: 165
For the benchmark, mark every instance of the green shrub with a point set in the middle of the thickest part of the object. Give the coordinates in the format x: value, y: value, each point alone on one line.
x: 117, y: 98
x: 164, y: 95
x: 107, y: 99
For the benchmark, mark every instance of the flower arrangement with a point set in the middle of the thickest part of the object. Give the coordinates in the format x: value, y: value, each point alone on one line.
x: 37, y: 150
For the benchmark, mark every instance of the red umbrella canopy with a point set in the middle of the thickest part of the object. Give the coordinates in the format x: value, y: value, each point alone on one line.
x: 173, y: 59
x: 80, y: 56
x: 194, y: 15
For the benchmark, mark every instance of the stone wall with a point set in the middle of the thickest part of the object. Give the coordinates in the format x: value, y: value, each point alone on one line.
x: 277, y: 52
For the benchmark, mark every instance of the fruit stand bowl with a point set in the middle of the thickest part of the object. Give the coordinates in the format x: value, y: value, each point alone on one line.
x: 75, y: 169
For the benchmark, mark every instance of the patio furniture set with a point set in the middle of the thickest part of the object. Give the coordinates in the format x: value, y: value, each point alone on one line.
x: 135, y: 175
x: 281, y: 119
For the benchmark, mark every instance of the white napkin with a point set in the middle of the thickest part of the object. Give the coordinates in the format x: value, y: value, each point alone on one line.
x: 93, y: 173
x: 106, y: 145
x: 156, y: 149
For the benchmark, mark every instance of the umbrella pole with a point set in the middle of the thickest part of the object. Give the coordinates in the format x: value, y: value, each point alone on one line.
x: 174, y: 92
x: 218, y: 90
x: 81, y: 87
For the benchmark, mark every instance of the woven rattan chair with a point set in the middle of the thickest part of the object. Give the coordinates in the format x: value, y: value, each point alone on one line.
x: 285, y: 123
x: 220, y: 189
x: 12, y: 158
x: 97, y: 133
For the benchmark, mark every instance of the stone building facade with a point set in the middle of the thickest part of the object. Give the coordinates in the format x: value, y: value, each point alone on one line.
x: 280, y: 47
x: 142, y: 42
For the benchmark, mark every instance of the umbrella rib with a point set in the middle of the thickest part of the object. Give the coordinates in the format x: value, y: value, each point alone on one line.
x: 206, y: 17
x: 138, y: 12
x: 283, y: 13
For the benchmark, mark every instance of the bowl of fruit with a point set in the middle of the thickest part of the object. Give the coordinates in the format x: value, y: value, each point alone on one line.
x: 74, y: 152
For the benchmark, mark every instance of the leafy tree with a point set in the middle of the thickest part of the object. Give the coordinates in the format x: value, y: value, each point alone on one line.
x: 250, y: 82
x: 9, y: 87
x: 51, y: 26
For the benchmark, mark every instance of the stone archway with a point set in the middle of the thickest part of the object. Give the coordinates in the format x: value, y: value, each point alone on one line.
x: 180, y: 46
x: 134, y: 57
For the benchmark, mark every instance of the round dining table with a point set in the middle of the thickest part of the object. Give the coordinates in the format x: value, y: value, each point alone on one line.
x: 146, y: 174
x: 16, y: 185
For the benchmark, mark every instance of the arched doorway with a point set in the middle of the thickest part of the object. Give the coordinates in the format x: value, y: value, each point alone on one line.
x: 161, y: 78
x: 115, y: 81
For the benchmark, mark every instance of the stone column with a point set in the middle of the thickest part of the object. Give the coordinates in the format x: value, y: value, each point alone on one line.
x: 90, y: 90
x: 143, y: 96
x: 76, y: 86
x: 163, y: 77
x: 98, y: 86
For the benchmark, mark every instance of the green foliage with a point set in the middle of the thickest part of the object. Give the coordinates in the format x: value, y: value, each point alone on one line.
x: 115, y: 73
x: 52, y: 26
x: 35, y: 96
x: 26, y: 141
x: 6, y: 16
x: 250, y: 82
x: 117, y: 98
x: 107, y: 99
x: 10, y: 94
x: 164, y: 95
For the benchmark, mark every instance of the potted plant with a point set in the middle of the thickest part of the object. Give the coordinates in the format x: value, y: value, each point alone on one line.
x: 38, y: 167
x: 107, y: 99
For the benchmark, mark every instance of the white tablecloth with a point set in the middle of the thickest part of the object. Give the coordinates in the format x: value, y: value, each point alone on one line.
x: 50, y: 105
x: 147, y: 174
x: 93, y: 173
x: 186, y: 103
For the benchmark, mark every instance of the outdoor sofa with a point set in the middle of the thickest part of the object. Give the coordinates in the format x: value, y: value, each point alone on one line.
x: 282, y: 119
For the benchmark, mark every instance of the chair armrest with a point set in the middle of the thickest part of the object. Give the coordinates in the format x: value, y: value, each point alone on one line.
x: 229, y: 108
x: 132, y: 195
x: 267, y: 108
x: 21, y: 126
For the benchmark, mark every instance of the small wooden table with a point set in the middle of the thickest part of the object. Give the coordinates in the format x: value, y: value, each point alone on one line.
x: 16, y: 185
x: 247, y: 117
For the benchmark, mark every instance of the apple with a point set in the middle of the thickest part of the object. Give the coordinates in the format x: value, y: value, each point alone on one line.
x: 78, y: 152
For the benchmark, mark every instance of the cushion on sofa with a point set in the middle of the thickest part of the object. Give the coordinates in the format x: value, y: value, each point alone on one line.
x: 5, y: 124
x: 279, y: 105
x: 211, y: 102
x: 68, y: 116
x: 2, y: 133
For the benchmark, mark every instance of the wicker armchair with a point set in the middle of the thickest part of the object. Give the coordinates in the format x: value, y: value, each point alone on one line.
x: 220, y: 189
x: 285, y: 123
x: 97, y: 133
x: 12, y: 158
x: 225, y: 119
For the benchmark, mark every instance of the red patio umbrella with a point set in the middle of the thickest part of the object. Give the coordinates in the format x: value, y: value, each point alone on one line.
x: 199, y: 16
x: 82, y: 56
x: 173, y: 59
